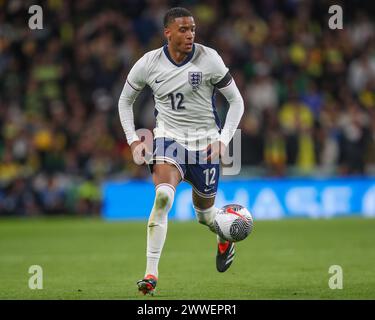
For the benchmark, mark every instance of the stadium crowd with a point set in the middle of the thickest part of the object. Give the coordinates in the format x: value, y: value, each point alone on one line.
x: 309, y: 92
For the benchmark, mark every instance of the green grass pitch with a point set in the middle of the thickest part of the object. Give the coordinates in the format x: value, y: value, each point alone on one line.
x: 94, y: 259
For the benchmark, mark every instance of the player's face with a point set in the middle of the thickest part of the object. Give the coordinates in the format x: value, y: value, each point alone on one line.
x: 181, y: 33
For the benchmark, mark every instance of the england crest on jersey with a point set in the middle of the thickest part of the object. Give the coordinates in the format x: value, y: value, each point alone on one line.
x: 195, y: 79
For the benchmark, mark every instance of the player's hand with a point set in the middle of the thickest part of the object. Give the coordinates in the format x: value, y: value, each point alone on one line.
x: 139, y: 152
x: 217, y: 150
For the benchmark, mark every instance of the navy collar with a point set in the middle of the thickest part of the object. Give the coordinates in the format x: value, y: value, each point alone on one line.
x: 188, y: 58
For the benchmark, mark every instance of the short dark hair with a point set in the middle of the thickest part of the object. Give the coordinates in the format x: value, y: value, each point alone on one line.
x: 174, y: 13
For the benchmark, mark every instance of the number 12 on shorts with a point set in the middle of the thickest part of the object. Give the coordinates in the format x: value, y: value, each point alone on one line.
x: 210, y: 176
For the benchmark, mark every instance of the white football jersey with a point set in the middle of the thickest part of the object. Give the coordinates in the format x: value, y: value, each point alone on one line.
x: 183, y: 93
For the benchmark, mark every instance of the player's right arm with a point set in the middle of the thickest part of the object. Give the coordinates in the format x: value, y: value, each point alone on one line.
x: 134, y: 84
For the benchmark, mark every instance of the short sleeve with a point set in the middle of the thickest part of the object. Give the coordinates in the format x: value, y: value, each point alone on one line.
x: 137, y: 75
x: 218, y: 68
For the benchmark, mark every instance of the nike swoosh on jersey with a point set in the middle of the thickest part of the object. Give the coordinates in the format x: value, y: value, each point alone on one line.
x: 158, y: 81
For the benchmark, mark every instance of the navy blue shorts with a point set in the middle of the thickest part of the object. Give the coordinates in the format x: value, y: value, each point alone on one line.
x: 203, y: 176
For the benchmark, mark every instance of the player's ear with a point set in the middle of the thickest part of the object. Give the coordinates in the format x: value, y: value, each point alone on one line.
x: 167, y: 33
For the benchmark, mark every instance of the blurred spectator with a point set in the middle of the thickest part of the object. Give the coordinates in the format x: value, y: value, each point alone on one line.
x: 353, y: 123
x: 262, y: 92
x: 251, y: 141
x: 328, y: 138
x: 313, y: 99
x: 361, y: 72
x: 19, y: 198
x: 275, y: 155
x: 370, y: 147
x: 296, y: 122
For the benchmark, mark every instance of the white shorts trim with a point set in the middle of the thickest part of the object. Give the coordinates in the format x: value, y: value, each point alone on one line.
x: 207, y: 196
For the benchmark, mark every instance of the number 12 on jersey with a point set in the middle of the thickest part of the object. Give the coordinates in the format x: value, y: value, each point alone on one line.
x: 177, y: 101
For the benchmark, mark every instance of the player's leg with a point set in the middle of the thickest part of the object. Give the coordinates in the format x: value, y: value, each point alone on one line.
x: 165, y: 177
x: 205, y: 211
x: 204, y: 178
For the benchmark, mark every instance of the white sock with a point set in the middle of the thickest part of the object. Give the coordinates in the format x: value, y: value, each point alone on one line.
x: 158, y: 225
x: 206, y: 217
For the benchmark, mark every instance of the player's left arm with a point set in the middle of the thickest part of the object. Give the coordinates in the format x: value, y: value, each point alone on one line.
x: 229, y: 89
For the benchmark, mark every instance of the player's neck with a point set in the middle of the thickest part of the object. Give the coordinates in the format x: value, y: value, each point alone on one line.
x: 177, y: 56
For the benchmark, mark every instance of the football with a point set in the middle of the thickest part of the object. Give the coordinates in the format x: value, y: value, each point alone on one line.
x: 233, y: 222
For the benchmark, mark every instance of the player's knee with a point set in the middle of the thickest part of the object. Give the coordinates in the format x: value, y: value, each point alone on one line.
x: 163, y: 198
x: 163, y: 202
